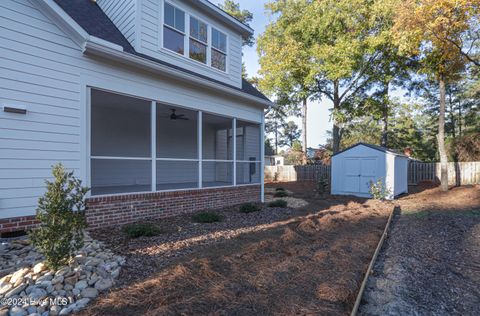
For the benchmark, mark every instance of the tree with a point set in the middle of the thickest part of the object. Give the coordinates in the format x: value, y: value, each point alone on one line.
x: 285, y: 65
x: 61, y: 212
x: 432, y: 29
x: 333, y: 44
x: 290, y: 134
x: 274, y: 120
x: 244, y: 16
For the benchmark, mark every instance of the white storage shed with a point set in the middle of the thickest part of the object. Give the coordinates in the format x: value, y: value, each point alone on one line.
x: 355, y: 168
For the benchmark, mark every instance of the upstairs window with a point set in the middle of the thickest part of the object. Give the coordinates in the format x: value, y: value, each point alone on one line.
x: 198, y: 40
x: 219, y: 50
x: 174, y: 29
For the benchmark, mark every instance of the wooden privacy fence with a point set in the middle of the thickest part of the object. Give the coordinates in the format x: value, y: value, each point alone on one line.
x: 297, y: 173
x: 459, y: 173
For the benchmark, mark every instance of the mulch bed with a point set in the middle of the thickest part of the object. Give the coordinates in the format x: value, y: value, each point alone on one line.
x: 306, y: 260
x: 430, y: 263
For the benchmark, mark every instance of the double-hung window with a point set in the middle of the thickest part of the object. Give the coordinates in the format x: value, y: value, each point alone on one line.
x: 174, y: 29
x: 198, y: 40
x: 181, y: 29
x: 219, y: 50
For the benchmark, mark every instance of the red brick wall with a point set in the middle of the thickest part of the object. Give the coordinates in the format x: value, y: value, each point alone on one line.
x: 123, y: 209
x: 15, y: 224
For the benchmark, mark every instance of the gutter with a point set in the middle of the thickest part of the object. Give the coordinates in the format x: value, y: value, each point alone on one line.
x: 101, y: 48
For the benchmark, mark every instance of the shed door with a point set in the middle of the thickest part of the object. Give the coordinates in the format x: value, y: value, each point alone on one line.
x: 359, y: 172
x: 367, y: 174
x: 351, y: 182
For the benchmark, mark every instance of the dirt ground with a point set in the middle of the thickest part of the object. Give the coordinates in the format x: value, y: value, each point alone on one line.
x: 308, y: 260
x: 430, y: 262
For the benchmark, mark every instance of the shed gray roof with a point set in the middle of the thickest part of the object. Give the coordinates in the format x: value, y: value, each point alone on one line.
x: 96, y: 23
x: 376, y: 147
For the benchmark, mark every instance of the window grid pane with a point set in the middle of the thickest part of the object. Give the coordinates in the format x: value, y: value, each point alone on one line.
x: 219, y: 60
x: 219, y: 40
x: 174, y: 17
x: 198, y: 51
x: 198, y: 30
x: 173, y: 40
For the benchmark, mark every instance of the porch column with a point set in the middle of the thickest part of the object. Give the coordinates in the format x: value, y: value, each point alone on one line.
x: 262, y: 157
x: 153, y: 132
x: 199, y: 148
x: 234, y: 144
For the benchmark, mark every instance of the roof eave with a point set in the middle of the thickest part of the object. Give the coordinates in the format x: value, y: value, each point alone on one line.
x: 224, y: 16
x: 107, y: 51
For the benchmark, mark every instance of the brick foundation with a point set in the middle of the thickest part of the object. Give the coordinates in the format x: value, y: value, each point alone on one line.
x: 14, y: 224
x: 124, y: 209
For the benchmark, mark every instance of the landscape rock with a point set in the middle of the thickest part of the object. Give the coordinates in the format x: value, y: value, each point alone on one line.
x: 89, y: 292
x: 24, y: 274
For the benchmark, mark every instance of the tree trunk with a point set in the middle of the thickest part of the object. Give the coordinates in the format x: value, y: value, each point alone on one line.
x: 276, y: 138
x: 304, y: 131
x: 386, y: 100
x: 336, y: 134
x: 441, y: 138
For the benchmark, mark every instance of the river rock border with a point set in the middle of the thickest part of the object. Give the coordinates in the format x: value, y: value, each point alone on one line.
x: 27, y: 287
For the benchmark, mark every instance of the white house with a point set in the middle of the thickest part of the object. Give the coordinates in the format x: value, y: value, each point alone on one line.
x: 143, y: 99
x: 355, y: 168
x: 274, y: 160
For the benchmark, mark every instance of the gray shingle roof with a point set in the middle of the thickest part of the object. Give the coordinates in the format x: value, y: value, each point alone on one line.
x: 96, y: 23
x: 376, y: 147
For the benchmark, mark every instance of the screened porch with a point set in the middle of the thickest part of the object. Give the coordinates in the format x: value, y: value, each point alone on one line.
x: 143, y: 146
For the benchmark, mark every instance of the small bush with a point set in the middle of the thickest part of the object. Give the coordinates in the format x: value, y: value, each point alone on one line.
x: 279, y: 189
x: 280, y: 194
x: 250, y: 208
x: 323, y: 185
x: 379, y: 190
x: 61, y: 213
x: 206, y: 217
x: 141, y: 230
x: 278, y: 203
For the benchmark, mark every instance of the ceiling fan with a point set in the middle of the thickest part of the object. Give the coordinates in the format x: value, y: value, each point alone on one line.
x: 174, y: 116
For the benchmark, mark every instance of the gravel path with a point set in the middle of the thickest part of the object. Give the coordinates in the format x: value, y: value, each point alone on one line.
x: 430, y: 263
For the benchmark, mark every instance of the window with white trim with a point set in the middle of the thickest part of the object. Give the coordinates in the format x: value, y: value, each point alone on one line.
x: 219, y: 50
x: 198, y: 40
x: 174, y: 29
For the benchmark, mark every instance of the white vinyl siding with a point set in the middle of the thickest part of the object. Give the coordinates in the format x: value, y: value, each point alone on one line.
x: 122, y: 13
x: 43, y: 69
x: 151, y: 37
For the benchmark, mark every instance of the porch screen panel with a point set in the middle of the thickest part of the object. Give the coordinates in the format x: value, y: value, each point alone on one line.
x: 176, y: 148
x: 120, y: 144
x: 248, y: 152
x: 217, y: 151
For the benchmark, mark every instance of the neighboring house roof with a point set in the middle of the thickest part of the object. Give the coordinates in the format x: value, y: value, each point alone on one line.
x: 376, y: 147
x: 96, y: 23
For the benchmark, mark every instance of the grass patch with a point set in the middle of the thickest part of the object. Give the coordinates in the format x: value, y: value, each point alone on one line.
x: 141, y: 230
x: 206, y: 217
x: 250, y: 208
x: 280, y: 194
x: 278, y: 203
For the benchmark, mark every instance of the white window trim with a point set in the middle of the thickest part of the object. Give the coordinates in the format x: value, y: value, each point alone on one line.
x: 187, y: 36
x: 153, y: 159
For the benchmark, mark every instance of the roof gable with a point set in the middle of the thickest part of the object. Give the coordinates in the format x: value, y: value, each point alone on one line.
x: 371, y: 146
x: 89, y: 16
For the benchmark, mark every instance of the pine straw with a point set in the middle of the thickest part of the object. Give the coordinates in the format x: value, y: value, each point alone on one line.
x: 309, y: 264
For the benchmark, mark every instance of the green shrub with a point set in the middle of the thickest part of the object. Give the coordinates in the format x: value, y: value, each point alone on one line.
x: 250, y: 208
x: 278, y: 203
x: 61, y: 213
x: 280, y: 194
x: 141, y: 230
x: 323, y: 185
x: 206, y: 217
x: 379, y: 190
x: 279, y: 189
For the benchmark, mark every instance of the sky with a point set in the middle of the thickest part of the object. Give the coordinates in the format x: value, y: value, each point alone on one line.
x: 318, y: 114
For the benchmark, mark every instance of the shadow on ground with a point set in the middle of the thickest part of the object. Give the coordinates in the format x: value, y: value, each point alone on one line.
x: 307, y: 261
